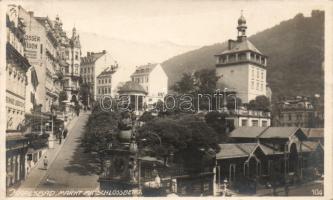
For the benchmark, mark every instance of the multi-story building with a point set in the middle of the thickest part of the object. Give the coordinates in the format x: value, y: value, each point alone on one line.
x: 16, y: 80
x: 300, y: 111
x: 92, y: 65
x: 104, y: 82
x: 154, y: 80
x: 242, y: 67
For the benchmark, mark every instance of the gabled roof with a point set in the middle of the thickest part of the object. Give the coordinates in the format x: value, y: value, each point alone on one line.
x: 266, y: 132
x: 145, y: 69
x: 247, y: 132
x: 92, y: 57
x: 245, y: 45
x: 130, y: 86
x: 279, y: 132
x: 107, y: 71
x: 270, y: 150
x: 314, y: 132
x: 236, y: 150
x: 309, y: 146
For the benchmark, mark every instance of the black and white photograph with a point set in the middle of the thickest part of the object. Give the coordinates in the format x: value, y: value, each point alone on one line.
x: 155, y: 98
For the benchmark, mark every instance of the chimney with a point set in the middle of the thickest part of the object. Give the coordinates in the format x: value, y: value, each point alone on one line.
x: 88, y: 54
x: 104, y: 51
x: 231, y: 44
x: 31, y: 13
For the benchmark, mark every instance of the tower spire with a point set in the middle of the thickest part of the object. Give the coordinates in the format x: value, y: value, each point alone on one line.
x: 241, y: 35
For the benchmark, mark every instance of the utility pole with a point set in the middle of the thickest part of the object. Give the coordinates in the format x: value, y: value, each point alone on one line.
x: 286, y: 187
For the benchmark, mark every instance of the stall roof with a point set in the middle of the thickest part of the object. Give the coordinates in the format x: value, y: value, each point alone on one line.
x: 235, y: 150
x: 314, y: 132
x: 265, y: 132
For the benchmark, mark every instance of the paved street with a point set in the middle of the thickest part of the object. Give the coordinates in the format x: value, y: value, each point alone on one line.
x: 72, y: 169
x: 313, y: 188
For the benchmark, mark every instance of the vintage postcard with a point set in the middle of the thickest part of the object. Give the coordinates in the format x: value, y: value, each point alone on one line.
x: 166, y: 98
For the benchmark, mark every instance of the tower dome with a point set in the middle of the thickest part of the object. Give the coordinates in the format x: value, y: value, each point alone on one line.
x: 241, y: 20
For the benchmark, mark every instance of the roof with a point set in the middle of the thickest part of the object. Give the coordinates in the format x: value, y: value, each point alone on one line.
x: 236, y: 150
x: 265, y: 132
x: 247, y: 132
x: 130, y: 86
x: 107, y: 71
x: 245, y: 45
x: 145, y: 69
x: 269, y: 150
x: 314, y: 132
x: 92, y: 57
x: 279, y: 132
x: 309, y: 146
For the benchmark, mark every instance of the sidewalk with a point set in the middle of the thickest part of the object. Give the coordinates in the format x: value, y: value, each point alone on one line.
x: 38, y: 172
x: 280, y: 191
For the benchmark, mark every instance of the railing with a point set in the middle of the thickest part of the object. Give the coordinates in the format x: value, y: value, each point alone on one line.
x: 243, y: 59
x: 71, y: 88
x: 256, y: 113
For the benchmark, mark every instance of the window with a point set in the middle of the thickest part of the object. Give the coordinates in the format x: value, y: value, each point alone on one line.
x: 252, y: 74
x: 264, y: 123
x: 76, y: 56
x: 289, y: 116
x: 255, y: 123
x: 257, y: 88
x: 261, y: 87
x: 76, y: 70
x: 244, y: 122
x: 109, y: 90
x: 252, y: 84
x: 262, y: 75
x: 257, y: 74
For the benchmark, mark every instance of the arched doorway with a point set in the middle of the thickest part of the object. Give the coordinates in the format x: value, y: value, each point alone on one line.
x: 293, y: 158
x: 73, y: 99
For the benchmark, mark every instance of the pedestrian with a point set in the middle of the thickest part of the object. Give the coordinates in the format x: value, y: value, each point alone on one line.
x: 65, y: 133
x: 46, y: 162
x: 60, y: 137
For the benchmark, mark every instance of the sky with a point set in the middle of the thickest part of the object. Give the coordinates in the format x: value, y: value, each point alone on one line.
x: 156, y: 25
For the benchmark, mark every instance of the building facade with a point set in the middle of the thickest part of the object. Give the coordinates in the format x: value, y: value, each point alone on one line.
x: 92, y: 65
x: 16, y: 80
x: 154, y: 80
x: 306, y: 112
x: 104, y: 82
x: 242, y: 67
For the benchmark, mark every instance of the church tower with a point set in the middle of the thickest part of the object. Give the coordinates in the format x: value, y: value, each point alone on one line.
x: 242, y: 67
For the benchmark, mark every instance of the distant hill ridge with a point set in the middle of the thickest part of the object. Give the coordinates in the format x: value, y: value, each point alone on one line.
x: 295, y: 50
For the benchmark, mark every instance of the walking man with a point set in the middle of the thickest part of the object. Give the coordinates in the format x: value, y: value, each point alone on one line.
x: 65, y: 133
x: 46, y: 162
x: 60, y: 136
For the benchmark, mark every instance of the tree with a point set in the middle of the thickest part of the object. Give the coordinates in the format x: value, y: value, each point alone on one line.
x: 185, y: 85
x: 62, y: 97
x: 260, y: 103
x: 101, y: 129
x: 205, y: 81
x: 84, y: 93
x: 183, y: 134
x: 218, y: 122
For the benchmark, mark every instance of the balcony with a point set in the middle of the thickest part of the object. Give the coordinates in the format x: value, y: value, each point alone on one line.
x: 71, y: 88
x: 254, y: 113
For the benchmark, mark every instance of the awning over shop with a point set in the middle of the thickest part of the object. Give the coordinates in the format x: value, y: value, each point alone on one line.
x: 37, y: 115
